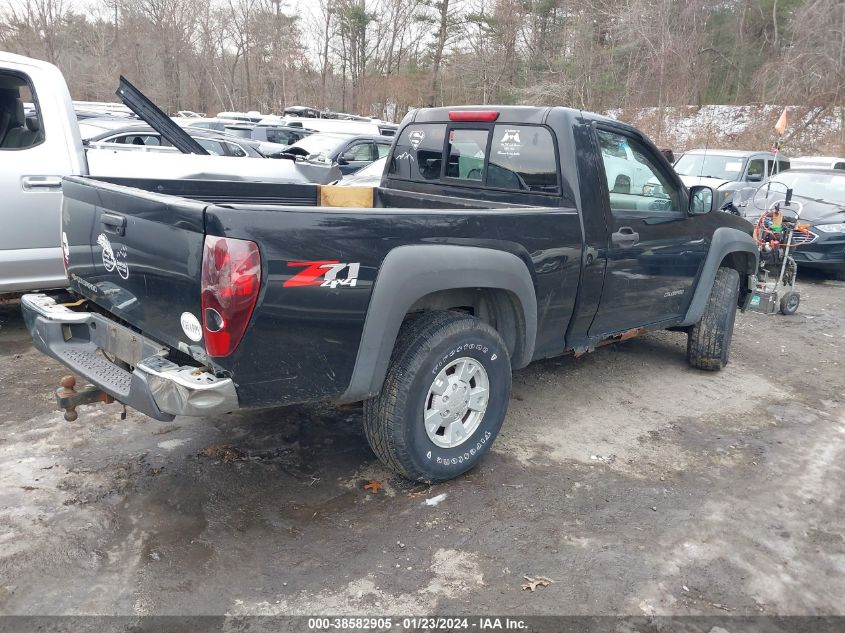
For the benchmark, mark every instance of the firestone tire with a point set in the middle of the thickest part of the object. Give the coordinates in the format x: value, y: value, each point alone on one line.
x: 709, y: 340
x: 401, y: 422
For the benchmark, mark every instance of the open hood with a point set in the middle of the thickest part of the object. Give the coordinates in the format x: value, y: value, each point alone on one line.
x: 136, y: 101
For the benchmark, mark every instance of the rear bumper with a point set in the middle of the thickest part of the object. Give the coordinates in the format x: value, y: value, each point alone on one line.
x: 156, y: 387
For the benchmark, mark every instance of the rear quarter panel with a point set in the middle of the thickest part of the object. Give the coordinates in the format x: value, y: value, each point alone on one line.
x: 303, y: 340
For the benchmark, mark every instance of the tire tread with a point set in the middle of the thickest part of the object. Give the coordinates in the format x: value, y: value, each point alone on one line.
x: 414, y: 344
x: 708, y: 344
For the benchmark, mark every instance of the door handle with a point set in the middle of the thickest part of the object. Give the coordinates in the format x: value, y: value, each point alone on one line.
x: 625, y: 237
x: 28, y: 183
x: 115, y: 222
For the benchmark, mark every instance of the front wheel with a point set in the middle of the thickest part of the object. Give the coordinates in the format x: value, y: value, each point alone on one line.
x: 709, y: 340
x: 444, y: 398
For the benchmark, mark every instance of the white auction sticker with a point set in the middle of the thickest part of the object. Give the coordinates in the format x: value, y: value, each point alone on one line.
x: 191, y: 326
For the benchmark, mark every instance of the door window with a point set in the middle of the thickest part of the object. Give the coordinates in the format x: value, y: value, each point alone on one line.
x: 235, y: 150
x: 20, y: 118
x: 634, y: 180
x: 777, y: 167
x: 382, y: 149
x: 755, y: 169
x: 148, y: 140
x: 285, y: 137
x: 360, y: 152
x: 212, y: 147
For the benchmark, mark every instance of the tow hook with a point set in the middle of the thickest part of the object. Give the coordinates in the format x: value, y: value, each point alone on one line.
x: 68, y: 398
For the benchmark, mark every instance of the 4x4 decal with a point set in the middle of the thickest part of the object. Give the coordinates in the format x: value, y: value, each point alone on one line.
x: 323, y: 273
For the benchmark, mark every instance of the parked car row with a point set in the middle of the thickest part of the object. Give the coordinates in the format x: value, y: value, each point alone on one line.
x: 215, y: 143
x: 351, y: 153
x: 42, y: 145
x: 744, y: 181
x: 818, y: 184
x: 818, y: 200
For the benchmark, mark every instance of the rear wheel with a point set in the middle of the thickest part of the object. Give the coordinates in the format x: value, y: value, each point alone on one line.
x: 444, y: 397
x: 709, y: 340
x: 789, y: 302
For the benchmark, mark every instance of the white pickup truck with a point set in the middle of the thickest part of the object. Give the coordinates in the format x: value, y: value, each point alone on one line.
x: 41, y: 145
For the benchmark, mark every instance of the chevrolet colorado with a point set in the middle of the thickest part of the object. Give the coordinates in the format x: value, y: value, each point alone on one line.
x: 492, y: 241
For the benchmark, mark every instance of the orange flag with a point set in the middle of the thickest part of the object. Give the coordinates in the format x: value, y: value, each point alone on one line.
x: 780, y: 126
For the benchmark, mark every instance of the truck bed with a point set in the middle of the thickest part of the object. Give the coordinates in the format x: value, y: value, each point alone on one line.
x: 236, y: 194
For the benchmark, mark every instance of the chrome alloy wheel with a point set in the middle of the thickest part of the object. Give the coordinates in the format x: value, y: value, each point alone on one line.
x: 456, y: 402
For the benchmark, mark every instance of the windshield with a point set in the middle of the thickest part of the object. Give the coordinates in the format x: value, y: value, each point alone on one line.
x: 710, y: 166
x: 828, y: 187
x: 321, y: 144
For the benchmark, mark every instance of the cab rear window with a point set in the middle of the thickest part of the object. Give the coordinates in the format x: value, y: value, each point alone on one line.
x: 523, y: 157
x: 467, y: 153
x: 418, y: 154
x: 501, y: 156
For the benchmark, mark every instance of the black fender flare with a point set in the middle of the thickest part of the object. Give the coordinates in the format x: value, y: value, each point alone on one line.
x: 726, y: 240
x: 409, y: 273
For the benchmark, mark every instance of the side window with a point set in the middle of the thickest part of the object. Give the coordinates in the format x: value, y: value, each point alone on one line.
x: 235, y: 150
x: 285, y: 137
x: 611, y: 146
x: 755, y: 169
x: 419, y: 152
x: 467, y: 151
x: 839, y: 166
x: 634, y: 181
x: 20, y: 118
x: 382, y: 149
x: 777, y: 166
x: 212, y: 147
x: 523, y: 157
x: 360, y: 152
x: 137, y: 139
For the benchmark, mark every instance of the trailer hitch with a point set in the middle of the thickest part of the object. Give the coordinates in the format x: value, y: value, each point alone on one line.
x: 68, y: 398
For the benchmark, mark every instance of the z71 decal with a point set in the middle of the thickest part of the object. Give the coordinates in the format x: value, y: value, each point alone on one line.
x: 323, y: 273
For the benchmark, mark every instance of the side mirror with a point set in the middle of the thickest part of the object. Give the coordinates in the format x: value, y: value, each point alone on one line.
x: 346, y: 158
x: 755, y: 177
x: 702, y: 199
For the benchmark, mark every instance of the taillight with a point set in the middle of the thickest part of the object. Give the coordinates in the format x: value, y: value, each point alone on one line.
x: 473, y: 115
x: 231, y: 278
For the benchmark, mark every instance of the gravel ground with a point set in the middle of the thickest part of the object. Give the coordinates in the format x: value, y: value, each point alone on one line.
x: 639, y: 486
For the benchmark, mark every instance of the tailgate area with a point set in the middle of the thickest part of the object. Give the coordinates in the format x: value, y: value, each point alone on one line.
x: 141, y: 374
x: 136, y: 254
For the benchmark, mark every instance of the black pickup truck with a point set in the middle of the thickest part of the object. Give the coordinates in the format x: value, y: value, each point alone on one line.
x: 493, y: 240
